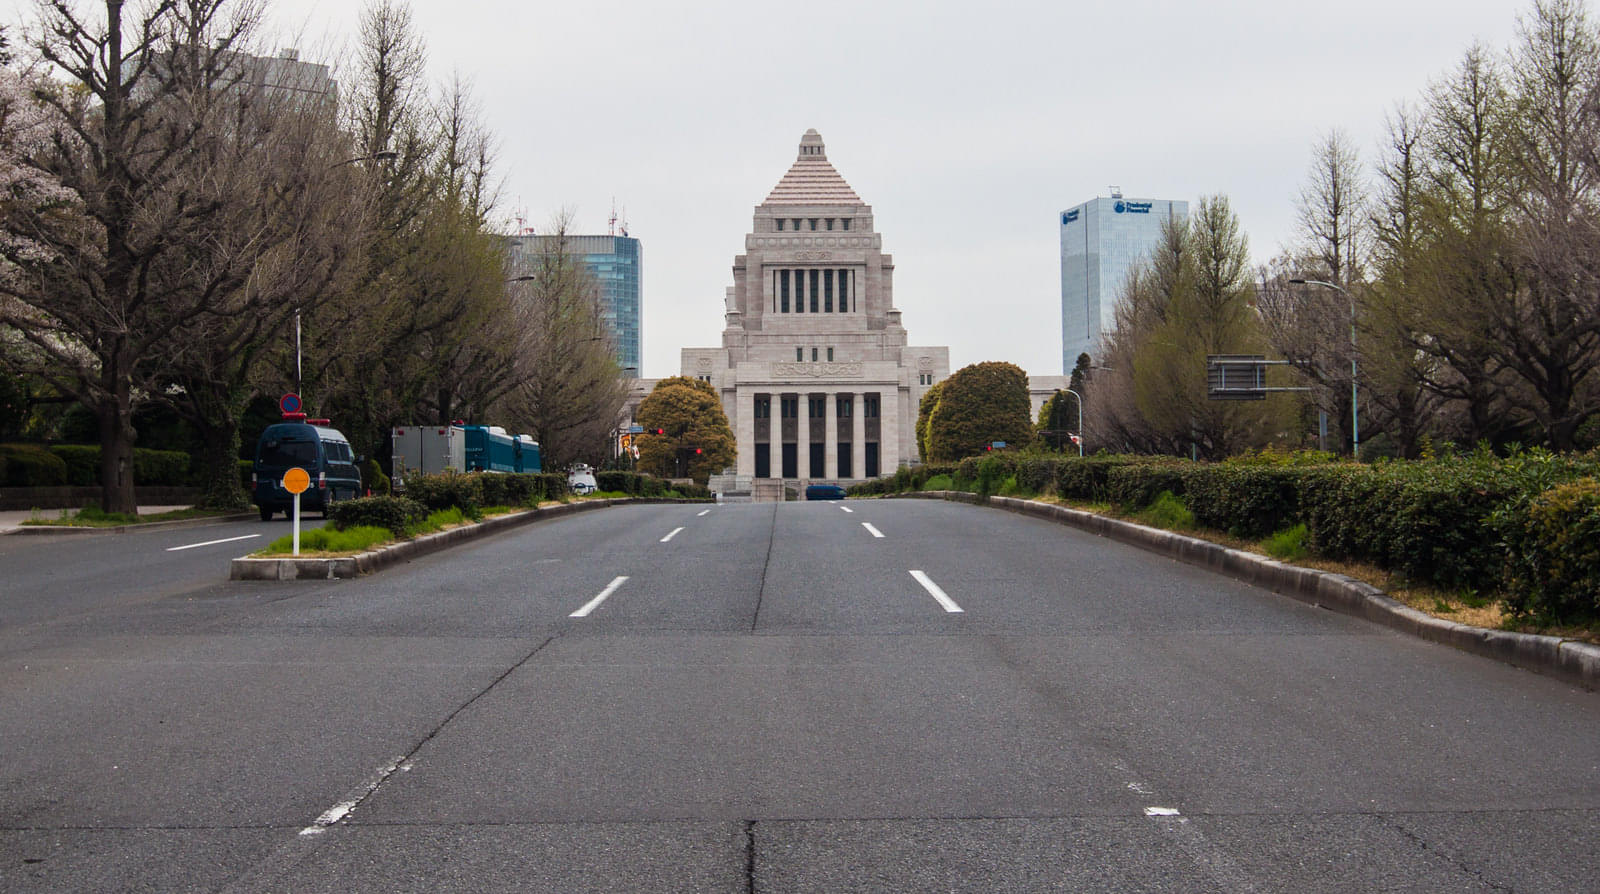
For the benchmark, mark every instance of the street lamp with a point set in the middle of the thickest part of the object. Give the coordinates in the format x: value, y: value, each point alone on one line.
x: 1355, y: 423
x: 1055, y: 418
x: 385, y: 155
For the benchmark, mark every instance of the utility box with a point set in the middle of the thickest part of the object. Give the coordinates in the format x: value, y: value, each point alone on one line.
x: 427, y: 449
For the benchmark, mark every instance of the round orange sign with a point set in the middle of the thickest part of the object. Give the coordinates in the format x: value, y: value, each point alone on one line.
x: 296, y: 480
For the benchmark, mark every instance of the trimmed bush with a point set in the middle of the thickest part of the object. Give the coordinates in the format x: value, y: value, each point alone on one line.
x: 166, y: 468
x: 377, y: 482
x: 394, y: 514
x: 1246, y: 500
x: 82, y: 461
x: 448, y: 490
x: 1553, y: 554
x: 29, y: 465
x: 1137, y: 485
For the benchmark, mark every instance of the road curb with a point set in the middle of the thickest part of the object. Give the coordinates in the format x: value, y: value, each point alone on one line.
x: 1572, y: 661
x: 126, y: 529
x: 302, y: 568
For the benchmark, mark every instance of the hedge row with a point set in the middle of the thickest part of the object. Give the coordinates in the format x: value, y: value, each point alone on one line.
x: 1527, y: 526
x: 78, y: 465
x: 394, y: 513
x: 474, y: 490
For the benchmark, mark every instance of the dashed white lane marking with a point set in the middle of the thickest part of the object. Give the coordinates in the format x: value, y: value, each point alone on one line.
x: 1160, y: 811
x: 672, y: 535
x: 173, y: 549
x: 342, y: 809
x: 871, y: 530
x: 847, y: 509
x: 594, y: 603
x: 934, y: 591
x: 702, y: 513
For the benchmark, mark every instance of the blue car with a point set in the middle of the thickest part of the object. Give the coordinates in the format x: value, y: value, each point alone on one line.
x: 824, y: 492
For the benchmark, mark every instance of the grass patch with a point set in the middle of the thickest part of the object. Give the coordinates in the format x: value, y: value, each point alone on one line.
x: 1288, y: 545
x: 1010, y: 488
x: 939, y: 482
x: 1167, y: 512
x: 327, y: 540
x: 438, y: 521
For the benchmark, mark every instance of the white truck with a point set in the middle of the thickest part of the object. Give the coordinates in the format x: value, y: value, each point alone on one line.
x: 428, y: 450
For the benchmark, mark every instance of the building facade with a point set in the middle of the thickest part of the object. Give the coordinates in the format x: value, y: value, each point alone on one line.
x: 616, y: 264
x: 815, y: 370
x: 1101, y: 240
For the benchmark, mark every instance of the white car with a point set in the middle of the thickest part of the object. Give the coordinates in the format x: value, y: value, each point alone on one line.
x: 580, y: 480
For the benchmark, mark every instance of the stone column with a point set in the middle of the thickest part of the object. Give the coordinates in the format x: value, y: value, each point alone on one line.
x: 889, y: 427
x: 744, y: 431
x: 830, y: 427
x: 802, y: 437
x: 858, y: 428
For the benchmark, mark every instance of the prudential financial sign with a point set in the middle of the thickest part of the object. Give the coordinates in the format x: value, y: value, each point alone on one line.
x: 1132, y: 207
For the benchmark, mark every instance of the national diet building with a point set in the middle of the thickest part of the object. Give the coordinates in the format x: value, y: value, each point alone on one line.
x: 814, y: 370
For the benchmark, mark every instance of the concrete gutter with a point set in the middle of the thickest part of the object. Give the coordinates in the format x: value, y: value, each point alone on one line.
x: 1572, y: 661
x: 303, y: 568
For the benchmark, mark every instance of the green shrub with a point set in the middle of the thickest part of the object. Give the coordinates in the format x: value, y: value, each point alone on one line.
x: 325, y: 539
x: 394, y: 514
x: 446, y: 490
x: 1553, y: 554
x: 1010, y: 488
x: 1137, y: 485
x: 1288, y: 544
x: 246, y: 469
x: 1167, y: 511
x: 378, y: 484
x: 163, y: 468
x: 939, y: 482
x: 1087, y: 477
x: 29, y: 465
x: 1246, y: 500
x: 82, y: 461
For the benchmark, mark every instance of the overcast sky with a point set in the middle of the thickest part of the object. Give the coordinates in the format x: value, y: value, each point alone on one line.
x: 967, y: 127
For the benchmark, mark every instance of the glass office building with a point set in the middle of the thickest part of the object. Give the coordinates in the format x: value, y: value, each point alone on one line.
x: 1101, y: 240
x: 615, y: 264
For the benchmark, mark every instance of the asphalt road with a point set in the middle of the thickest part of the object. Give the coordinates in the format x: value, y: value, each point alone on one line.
x: 758, y: 698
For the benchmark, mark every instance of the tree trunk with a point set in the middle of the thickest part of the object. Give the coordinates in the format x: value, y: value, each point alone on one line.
x: 219, y: 466
x: 115, y: 415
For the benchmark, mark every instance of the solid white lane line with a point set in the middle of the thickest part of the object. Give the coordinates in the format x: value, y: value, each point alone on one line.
x: 934, y: 591
x: 702, y: 513
x: 871, y: 530
x: 173, y: 549
x: 1160, y: 811
x: 847, y: 509
x: 672, y: 535
x: 595, y: 602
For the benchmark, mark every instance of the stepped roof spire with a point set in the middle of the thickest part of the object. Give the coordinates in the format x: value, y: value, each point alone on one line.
x: 811, y: 180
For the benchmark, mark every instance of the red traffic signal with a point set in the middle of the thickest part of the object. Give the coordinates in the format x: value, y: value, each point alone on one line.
x: 661, y: 431
x: 697, y: 450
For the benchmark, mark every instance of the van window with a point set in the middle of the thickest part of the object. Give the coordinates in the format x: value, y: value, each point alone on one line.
x: 336, y: 452
x: 289, y: 453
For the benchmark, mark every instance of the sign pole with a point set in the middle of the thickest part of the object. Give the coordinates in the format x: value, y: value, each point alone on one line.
x: 295, y: 481
x: 297, y: 524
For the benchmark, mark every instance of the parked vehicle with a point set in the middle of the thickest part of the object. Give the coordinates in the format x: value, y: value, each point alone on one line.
x: 433, y: 449
x: 581, y: 481
x: 824, y: 492
x: 313, y: 445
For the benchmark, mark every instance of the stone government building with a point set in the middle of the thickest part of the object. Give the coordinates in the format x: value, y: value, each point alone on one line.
x: 814, y: 370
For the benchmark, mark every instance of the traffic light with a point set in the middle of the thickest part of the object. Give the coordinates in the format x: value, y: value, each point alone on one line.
x: 661, y: 431
x: 697, y: 451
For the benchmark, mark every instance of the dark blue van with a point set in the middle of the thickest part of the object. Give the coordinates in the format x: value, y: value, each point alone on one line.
x: 322, y: 451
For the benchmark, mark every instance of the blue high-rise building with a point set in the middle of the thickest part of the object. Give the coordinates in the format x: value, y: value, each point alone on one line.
x: 615, y: 264
x: 1101, y: 240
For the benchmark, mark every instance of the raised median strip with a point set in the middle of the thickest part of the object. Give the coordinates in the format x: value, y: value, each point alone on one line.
x: 307, y: 568
x: 1574, y: 661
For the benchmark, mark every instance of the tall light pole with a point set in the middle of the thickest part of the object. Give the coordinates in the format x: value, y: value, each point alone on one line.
x: 385, y: 155
x: 1355, y: 419
x: 1055, y: 417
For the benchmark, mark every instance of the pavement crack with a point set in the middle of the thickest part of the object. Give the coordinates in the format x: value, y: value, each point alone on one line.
x: 750, y: 857
x: 761, y: 592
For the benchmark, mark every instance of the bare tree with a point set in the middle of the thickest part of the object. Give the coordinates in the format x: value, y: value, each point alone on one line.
x: 1550, y: 335
x: 570, y: 389
x: 144, y: 252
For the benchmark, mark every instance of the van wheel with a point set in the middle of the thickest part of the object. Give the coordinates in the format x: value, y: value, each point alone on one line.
x: 266, y: 514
